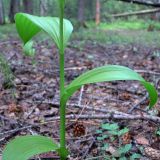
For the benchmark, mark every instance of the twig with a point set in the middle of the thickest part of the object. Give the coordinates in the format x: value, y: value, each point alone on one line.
x: 16, y: 130
x: 28, y: 68
x: 136, y: 106
x: 8, y: 42
x: 89, y: 147
x: 8, y: 119
x: 80, y: 96
x: 149, y: 72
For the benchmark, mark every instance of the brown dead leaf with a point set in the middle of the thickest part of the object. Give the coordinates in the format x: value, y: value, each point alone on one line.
x: 126, y: 138
x: 141, y: 140
x: 14, y: 108
x: 125, y: 96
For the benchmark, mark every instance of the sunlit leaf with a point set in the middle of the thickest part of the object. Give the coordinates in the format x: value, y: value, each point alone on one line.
x: 28, y: 26
x: 25, y: 147
x: 109, y: 73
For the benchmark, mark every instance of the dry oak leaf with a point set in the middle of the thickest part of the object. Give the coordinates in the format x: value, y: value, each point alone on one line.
x: 152, y: 153
x: 141, y: 140
x: 126, y: 138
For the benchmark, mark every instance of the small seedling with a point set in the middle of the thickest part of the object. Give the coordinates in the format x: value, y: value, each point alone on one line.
x: 112, y: 132
x: 60, y: 29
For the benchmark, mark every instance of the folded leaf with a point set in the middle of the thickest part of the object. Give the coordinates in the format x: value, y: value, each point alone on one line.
x: 28, y: 26
x: 109, y: 73
x: 25, y: 147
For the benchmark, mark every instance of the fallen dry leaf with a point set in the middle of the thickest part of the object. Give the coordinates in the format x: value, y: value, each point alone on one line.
x: 141, y: 140
x: 126, y: 138
x: 112, y: 151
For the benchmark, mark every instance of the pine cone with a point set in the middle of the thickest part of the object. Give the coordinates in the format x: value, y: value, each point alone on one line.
x: 152, y: 153
x: 79, y: 129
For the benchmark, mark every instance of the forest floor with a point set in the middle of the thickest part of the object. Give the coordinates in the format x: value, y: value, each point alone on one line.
x: 113, y: 118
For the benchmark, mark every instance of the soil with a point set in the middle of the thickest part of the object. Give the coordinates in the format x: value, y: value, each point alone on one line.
x: 30, y: 104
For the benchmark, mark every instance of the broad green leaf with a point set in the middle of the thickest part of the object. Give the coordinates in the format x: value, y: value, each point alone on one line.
x: 28, y: 26
x: 109, y: 73
x: 25, y: 147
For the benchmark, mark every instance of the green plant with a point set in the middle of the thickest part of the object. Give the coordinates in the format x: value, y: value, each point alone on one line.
x: 157, y: 132
x: 112, y: 132
x: 60, y: 29
x: 6, y: 71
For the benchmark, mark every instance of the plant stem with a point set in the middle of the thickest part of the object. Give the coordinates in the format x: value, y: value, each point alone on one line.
x: 62, y: 88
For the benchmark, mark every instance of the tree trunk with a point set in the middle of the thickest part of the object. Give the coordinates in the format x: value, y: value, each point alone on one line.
x: 28, y: 6
x: 43, y: 7
x: 14, y: 8
x: 90, y: 5
x: 2, y: 16
x: 81, y: 12
x: 97, y: 12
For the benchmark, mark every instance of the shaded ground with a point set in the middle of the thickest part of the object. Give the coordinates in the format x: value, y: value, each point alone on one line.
x: 31, y: 106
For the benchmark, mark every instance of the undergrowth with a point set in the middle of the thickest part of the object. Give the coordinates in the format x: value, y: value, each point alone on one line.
x: 113, y: 145
x: 117, y: 32
x: 6, y: 72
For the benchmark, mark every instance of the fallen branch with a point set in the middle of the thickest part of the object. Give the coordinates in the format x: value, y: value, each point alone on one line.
x: 155, y: 3
x: 107, y: 113
x: 148, y: 11
x: 56, y: 104
x: 109, y: 116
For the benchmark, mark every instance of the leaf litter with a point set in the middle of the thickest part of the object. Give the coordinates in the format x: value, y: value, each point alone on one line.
x: 28, y: 106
